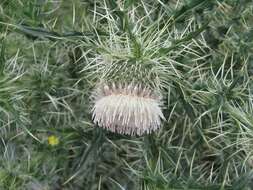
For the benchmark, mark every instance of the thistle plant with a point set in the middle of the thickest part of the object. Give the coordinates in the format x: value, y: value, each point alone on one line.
x: 133, y: 58
x: 138, y: 95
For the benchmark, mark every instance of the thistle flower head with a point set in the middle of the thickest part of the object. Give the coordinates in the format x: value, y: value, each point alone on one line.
x: 127, y: 109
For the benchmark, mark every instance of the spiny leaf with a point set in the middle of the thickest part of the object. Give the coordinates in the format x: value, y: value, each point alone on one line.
x: 186, y: 39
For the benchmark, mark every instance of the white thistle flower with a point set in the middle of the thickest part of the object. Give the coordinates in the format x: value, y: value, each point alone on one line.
x: 128, y: 109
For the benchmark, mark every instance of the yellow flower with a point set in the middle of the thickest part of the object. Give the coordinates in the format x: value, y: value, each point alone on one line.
x: 53, y: 140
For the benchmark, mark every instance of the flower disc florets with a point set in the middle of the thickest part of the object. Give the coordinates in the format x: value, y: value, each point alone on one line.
x: 127, y: 109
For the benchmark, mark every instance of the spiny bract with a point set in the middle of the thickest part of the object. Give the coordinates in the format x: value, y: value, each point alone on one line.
x: 127, y: 109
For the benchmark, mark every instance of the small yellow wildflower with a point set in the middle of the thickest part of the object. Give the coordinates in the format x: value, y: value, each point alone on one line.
x: 53, y: 140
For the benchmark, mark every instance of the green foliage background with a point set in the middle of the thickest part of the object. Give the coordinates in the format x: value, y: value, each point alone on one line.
x: 197, y: 52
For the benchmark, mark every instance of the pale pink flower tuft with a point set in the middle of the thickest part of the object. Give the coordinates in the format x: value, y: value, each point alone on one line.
x: 127, y: 109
